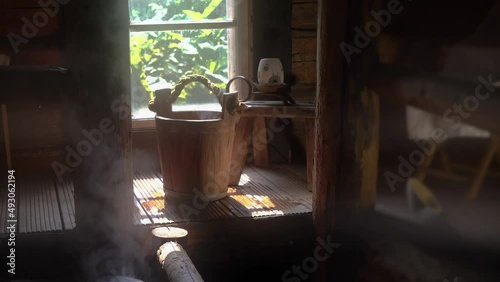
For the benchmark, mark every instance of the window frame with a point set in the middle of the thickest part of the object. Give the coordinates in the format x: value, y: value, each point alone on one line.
x: 240, y: 41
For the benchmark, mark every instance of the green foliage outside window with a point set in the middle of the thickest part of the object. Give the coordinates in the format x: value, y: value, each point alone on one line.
x: 161, y: 58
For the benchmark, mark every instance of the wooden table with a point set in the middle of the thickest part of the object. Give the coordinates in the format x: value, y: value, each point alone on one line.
x: 252, y: 125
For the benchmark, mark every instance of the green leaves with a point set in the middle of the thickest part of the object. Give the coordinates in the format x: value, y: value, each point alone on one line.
x: 211, y: 7
x: 164, y: 57
x: 195, y: 16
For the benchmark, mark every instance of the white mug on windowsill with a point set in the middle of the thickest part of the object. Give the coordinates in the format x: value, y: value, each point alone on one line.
x: 270, y: 72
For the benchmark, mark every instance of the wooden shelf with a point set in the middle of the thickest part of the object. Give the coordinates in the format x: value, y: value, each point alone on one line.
x: 278, y: 109
x: 30, y: 83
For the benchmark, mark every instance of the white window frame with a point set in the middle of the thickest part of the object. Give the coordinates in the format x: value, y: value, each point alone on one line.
x: 239, y: 26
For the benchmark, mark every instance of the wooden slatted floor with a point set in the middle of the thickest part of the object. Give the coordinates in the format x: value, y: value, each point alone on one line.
x: 261, y: 193
x: 45, y: 205
x: 42, y: 205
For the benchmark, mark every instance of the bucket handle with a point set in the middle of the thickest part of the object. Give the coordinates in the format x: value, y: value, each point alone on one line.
x: 247, y: 81
x: 165, y: 98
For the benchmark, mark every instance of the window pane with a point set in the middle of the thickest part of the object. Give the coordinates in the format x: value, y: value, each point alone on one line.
x: 177, y: 10
x: 160, y: 59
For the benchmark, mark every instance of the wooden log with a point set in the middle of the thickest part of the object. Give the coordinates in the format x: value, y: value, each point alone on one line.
x: 177, y: 264
x: 331, y: 33
x: 304, y: 50
x: 162, y: 235
x: 310, y: 124
x: 100, y: 69
x: 4, y: 61
x: 304, y: 15
x: 360, y: 142
x: 449, y: 98
x: 6, y: 136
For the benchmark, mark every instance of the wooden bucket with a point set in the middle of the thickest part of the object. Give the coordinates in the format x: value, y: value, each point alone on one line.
x: 195, y: 147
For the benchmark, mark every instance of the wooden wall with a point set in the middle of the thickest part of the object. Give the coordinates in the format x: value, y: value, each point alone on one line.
x: 304, y: 45
x: 304, y: 48
x: 32, y: 35
x: 42, y: 28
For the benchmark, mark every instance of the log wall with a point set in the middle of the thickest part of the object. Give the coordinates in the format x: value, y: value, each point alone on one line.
x: 304, y: 44
x: 304, y: 50
x: 32, y: 35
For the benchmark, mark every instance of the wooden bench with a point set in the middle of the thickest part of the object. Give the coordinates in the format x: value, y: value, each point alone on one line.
x: 253, y: 125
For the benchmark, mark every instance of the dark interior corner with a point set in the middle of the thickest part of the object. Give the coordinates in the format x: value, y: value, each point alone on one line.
x: 368, y: 149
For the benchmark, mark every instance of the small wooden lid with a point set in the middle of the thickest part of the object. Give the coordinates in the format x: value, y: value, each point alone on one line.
x: 169, y: 232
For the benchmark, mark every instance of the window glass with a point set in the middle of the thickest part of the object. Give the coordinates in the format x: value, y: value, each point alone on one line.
x: 160, y: 58
x: 144, y: 11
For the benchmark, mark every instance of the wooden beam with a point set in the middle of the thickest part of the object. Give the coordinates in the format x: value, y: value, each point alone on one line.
x: 177, y: 264
x: 310, y: 124
x: 4, y: 61
x: 330, y: 86
x: 446, y: 97
x: 331, y: 33
x: 98, y: 56
x: 361, y: 148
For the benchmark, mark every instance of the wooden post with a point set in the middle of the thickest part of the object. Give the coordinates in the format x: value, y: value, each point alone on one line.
x: 99, y: 62
x: 309, y: 124
x: 5, y: 61
x: 484, y: 165
x: 347, y: 125
x: 177, y: 264
x: 260, y: 142
x: 330, y: 86
x: 6, y: 135
x: 360, y: 149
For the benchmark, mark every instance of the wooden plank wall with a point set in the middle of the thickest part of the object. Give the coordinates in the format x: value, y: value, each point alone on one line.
x: 304, y: 45
x: 45, y: 41
x: 37, y: 131
x: 304, y: 48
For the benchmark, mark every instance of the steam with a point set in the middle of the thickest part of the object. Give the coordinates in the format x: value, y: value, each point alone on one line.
x: 109, y: 243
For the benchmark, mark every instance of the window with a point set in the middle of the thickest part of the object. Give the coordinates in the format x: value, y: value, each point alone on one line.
x: 172, y: 38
